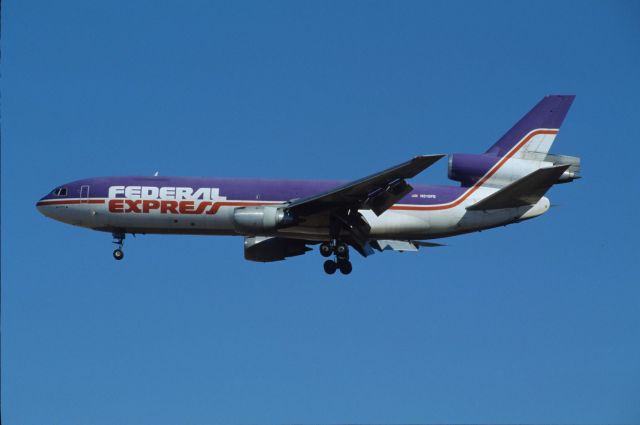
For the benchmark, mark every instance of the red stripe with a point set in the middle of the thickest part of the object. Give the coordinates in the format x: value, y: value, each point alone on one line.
x: 218, y: 205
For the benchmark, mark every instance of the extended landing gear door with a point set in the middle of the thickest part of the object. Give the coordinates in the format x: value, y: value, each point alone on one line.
x: 84, y: 194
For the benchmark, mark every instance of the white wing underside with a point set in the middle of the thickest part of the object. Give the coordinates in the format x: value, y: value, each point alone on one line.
x: 403, y: 246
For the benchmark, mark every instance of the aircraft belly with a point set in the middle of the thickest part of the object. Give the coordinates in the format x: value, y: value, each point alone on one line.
x: 396, y: 223
x: 409, y: 224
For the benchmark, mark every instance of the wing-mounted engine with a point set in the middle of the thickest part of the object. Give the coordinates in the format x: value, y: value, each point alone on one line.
x: 468, y: 169
x: 260, y: 219
x: 266, y: 249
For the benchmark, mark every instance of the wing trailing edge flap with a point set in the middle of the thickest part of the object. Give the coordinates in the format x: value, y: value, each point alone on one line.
x: 402, y: 246
x: 525, y: 191
x: 382, y: 199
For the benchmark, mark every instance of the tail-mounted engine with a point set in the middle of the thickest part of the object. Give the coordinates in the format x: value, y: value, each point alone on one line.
x: 468, y: 168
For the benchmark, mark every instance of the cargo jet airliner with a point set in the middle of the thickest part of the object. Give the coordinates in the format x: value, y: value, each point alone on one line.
x: 283, y: 218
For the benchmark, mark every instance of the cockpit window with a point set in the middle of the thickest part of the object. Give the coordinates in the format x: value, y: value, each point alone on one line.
x: 61, y: 191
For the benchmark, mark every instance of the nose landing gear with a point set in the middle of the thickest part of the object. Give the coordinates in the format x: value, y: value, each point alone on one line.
x: 118, y: 254
x: 341, y: 251
x: 118, y: 239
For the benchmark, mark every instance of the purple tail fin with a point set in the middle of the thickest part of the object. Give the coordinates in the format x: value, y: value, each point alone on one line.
x: 547, y: 114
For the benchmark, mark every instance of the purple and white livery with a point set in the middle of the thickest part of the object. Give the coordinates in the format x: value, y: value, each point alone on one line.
x: 282, y: 218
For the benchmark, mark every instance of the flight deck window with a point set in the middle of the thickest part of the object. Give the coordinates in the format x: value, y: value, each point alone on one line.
x: 61, y: 191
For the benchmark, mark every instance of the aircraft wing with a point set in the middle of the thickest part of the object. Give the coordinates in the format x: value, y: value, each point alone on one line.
x: 376, y: 192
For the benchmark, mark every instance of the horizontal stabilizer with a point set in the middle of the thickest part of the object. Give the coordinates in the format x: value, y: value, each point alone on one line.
x: 525, y: 191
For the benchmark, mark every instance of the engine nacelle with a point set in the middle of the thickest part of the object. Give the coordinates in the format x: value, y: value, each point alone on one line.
x: 469, y: 168
x: 266, y: 249
x: 258, y: 220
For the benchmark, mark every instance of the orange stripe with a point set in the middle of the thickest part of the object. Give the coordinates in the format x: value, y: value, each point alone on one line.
x: 479, y: 182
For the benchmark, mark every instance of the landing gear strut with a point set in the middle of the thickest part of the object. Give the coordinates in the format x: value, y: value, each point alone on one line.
x: 341, y: 251
x: 118, y: 239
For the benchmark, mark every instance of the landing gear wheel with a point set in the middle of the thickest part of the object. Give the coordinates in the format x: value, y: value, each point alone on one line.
x: 330, y: 266
x: 325, y: 249
x: 345, y: 267
x: 118, y: 254
x: 342, y: 250
x: 118, y: 239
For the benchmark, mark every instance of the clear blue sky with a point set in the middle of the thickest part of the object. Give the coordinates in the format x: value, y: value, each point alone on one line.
x: 538, y: 322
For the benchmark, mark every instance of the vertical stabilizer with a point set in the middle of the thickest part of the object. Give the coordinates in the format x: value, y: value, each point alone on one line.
x: 534, y: 134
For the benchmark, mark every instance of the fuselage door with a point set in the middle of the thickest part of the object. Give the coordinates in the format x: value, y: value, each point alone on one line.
x: 84, y: 194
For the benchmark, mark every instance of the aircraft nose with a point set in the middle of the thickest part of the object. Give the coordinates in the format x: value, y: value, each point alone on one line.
x: 55, y: 204
x: 40, y: 206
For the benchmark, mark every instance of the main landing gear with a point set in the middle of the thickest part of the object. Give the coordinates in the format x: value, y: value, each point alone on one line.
x: 118, y: 239
x: 341, y: 251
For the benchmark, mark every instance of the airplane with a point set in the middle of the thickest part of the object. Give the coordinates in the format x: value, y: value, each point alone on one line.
x: 381, y: 212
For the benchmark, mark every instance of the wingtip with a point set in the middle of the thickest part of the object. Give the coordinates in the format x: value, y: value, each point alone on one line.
x: 433, y: 157
x: 427, y: 244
